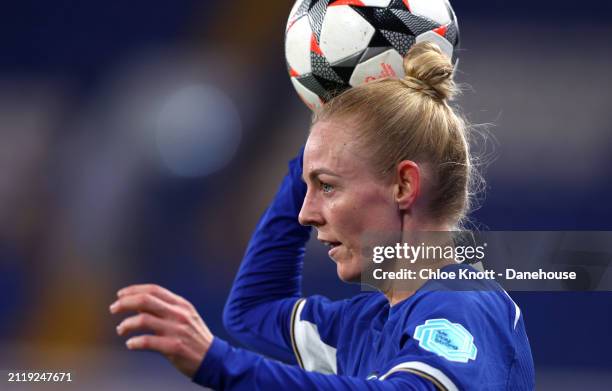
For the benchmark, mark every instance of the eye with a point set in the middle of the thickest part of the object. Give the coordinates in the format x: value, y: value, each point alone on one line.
x: 326, y: 187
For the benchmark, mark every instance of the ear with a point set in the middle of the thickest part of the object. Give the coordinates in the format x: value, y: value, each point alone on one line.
x: 408, y: 184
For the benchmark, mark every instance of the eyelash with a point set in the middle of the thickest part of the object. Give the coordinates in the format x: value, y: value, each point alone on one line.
x: 326, y: 187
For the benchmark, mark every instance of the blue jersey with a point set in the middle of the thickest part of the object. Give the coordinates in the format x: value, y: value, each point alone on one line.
x: 439, y: 338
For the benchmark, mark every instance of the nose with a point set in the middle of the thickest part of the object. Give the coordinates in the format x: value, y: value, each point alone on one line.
x: 310, y: 213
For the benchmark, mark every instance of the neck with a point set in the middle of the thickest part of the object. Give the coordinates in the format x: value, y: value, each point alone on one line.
x: 431, y: 235
x: 395, y: 294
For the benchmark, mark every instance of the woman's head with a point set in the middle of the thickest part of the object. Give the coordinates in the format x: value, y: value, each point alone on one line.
x: 389, y: 155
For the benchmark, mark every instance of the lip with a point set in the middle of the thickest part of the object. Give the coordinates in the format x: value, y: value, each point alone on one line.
x: 328, y: 242
x: 331, y: 244
x: 333, y: 250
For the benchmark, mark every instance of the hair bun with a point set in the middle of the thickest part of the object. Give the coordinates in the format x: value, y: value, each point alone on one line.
x: 429, y: 70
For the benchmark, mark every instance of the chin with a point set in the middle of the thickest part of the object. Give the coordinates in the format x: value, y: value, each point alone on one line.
x: 348, y: 274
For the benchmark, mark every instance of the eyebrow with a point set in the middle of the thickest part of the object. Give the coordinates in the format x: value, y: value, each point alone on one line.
x: 316, y: 172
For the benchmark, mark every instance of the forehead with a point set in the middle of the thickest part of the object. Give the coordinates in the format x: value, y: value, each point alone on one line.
x: 332, y: 145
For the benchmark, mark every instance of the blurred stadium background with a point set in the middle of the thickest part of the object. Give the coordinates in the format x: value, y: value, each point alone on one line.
x: 141, y: 141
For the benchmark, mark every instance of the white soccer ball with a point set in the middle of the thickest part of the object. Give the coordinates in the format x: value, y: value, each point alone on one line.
x: 331, y: 46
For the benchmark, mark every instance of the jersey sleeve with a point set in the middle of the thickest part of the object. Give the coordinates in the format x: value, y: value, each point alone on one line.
x: 459, y: 340
x: 268, y: 283
x: 228, y: 368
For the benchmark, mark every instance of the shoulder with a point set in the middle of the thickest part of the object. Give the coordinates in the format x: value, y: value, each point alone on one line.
x: 494, y: 307
x: 461, y: 326
x: 456, y: 336
x: 469, y: 299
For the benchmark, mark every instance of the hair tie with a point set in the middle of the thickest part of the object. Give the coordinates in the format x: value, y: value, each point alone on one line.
x: 421, y: 86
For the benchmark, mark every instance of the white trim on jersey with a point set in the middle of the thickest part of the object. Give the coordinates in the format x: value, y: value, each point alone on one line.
x: 517, y: 310
x: 312, y: 353
x: 437, y: 377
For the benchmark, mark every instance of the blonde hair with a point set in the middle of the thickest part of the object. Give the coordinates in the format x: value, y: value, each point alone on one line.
x: 411, y: 119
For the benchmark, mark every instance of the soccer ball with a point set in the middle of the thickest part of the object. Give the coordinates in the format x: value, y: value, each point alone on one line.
x: 332, y: 45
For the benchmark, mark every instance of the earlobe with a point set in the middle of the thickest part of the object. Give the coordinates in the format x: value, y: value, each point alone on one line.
x: 408, y: 184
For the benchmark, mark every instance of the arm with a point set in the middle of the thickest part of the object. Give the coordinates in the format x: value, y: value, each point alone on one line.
x: 268, y: 283
x: 182, y: 336
x: 228, y: 368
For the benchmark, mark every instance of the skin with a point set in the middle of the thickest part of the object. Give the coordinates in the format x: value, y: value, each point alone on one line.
x: 345, y: 200
x: 179, y: 333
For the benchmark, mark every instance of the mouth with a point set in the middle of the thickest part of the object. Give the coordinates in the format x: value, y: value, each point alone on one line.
x: 331, y: 245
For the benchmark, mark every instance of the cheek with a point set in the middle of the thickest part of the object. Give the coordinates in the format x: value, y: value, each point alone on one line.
x: 362, y: 215
x: 370, y: 212
x: 346, y: 223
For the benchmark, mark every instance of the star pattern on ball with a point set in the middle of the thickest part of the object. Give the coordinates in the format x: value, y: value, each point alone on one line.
x: 394, y: 25
x: 316, y: 14
x: 326, y: 75
x: 322, y: 72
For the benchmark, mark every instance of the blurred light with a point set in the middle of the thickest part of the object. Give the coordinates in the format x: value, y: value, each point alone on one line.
x: 198, y: 131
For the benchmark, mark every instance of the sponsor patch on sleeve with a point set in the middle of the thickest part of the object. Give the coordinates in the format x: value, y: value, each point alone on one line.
x: 449, y: 340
